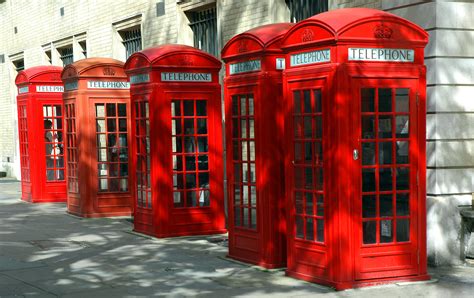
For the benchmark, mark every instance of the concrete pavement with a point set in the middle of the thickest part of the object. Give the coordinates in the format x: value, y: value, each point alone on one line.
x: 48, y: 253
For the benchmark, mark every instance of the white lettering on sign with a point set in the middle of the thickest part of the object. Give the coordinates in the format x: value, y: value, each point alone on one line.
x: 71, y: 86
x: 280, y: 63
x: 23, y: 90
x: 381, y: 54
x: 186, y: 77
x: 246, y: 66
x: 140, y: 78
x: 319, y: 56
x: 43, y: 88
x: 107, y: 85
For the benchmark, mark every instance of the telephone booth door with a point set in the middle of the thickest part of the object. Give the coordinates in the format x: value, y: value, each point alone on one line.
x: 386, y: 177
x: 306, y: 181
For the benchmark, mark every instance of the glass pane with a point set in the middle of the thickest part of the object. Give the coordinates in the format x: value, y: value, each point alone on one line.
x: 385, y: 100
x: 308, y: 128
x: 175, y: 108
x: 367, y: 99
x: 368, y: 127
x: 308, y: 151
x: 252, y: 150
x: 103, y: 184
x: 403, y: 178
x: 243, y: 127
x: 319, y: 127
x: 99, y: 110
x: 385, y: 127
x: 202, y: 126
x: 307, y: 101
x: 102, y: 155
x: 403, y: 204
x: 299, y: 227
x: 191, y: 199
x: 253, y: 196
x: 101, y: 141
x: 237, y: 173
x: 308, y: 174
x: 188, y: 107
x: 401, y: 100
x: 201, y: 108
x: 368, y: 232
x: 191, y: 181
x: 235, y: 150
x: 318, y: 151
x: 320, y: 230
x: 298, y: 156
x: 386, y: 234
x: 309, y: 229
x: 237, y: 196
x: 204, y: 198
x: 369, y: 206
x: 122, y: 124
x: 178, y: 199
x: 244, y: 151
x: 237, y: 217
x: 178, y: 181
x: 318, y: 103
x: 299, y: 202
x: 189, y: 145
x: 176, y: 126
x: 190, y: 163
x: 368, y: 180
x: 250, y: 98
x: 368, y: 153
x: 402, y: 126
x: 111, y: 110
x: 297, y: 102
x: 402, y: 150
x: 203, y: 163
x: 202, y: 144
x: 298, y: 177
x: 100, y: 125
x: 298, y: 123
x: 385, y: 179
x: 386, y: 206
x: 111, y: 125
x: 253, y: 218
x: 309, y: 203
x: 385, y: 153
x: 122, y: 110
x: 243, y: 106
x: 235, y: 105
x: 188, y: 126
x: 403, y: 230
x: 245, y: 195
x: 319, y: 178
x: 203, y: 180
x: 251, y: 129
x: 320, y: 205
x: 252, y: 173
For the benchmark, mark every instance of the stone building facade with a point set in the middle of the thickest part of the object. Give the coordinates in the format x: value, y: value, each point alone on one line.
x: 51, y: 32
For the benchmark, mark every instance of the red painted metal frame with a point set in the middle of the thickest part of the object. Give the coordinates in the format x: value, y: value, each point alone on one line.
x: 265, y: 243
x: 34, y: 184
x: 83, y: 197
x: 155, y: 213
x: 343, y: 261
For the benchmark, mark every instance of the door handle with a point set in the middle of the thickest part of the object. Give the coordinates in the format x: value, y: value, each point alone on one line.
x: 355, y: 154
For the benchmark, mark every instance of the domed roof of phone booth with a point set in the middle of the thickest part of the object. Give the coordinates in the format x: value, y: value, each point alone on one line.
x: 172, y: 55
x: 39, y: 74
x: 258, y: 39
x: 94, y: 68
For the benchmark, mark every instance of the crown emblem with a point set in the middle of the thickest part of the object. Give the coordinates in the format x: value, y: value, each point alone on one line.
x: 108, y: 71
x: 242, y: 47
x: 383, y: 31
x: 307, y: 35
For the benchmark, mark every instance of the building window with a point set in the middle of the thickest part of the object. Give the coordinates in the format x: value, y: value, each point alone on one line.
x: 303, y: 9
x: 203, y: 23
x: 66, y: 55
x: 131, y: 40
x: 19, y: 64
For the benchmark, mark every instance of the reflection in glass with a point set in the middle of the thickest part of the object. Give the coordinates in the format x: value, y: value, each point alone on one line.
x: 403, y: 178
x: 122, y: 124
x: 367, y: 99
x: 402, y: 150
x: 188, y: 126
x: 243, y: 106
x: 100, y: 110
x: 204, y: 180
x: 320, y: 205
x: 369, y: 206
x: 122, y: 110
x: 402, y: 124
x: 101, y: 141
x: 403, y: 230
x: 251, y: 129
x: 175, y: 108
x: 253, y: 196
x: 368, y: 128
x: 252, y: 150
x: 309, y: 203
x: 188, y: 107
x: 111, y: 110
x: 202, y: 126
x: 245, y: 195
x: 243, y: 127
x: 100, y: 125
x: 385, y: 153
x: 368, y: 153
x: 244, y: 151
x: 245, y: 221
x: 190, y: 163
x: 252, y: 173
x: 203, y: 162
x: 189, y: 145
x: 385, y: 100
x: 385, y: 179
x: 403, y: 206
x: 178, y: 198
x: 402, y: 100
x: 368, y: 232
x: 386, y: 234
x: 250, y: 98
x: 201, y: 108
x: 386, y: 206
x: 385, y: 127
x: 190, y: 181
x: 253, y: 218
x: 175, y: 127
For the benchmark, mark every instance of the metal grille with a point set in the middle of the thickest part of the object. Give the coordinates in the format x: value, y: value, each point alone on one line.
x: 303, y: 9
x: 132, y: 40
x: 66, y: 55
x: 204, y: 26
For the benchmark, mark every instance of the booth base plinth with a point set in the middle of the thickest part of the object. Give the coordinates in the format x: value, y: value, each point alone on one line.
x: 339, y: 286
x: 262, y: 264
x: 98, y: 215
x: 180, y: 234
x: 40, y: 201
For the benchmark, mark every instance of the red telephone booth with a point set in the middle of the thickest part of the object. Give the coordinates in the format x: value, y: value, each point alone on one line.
x: 97, y: 114
x: 177, y: 147
x: 40, y: 130
x: 254, y: 126
x: 355, y: 96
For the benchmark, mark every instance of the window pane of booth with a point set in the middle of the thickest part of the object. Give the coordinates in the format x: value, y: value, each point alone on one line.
x: 308, y: 171
x: 53, y: 138
x: 23, y: 135
x: 190, y: 148
x: 72, y: 177
x: 142, y: 139
x: 243, y: 136
x: 112, y: 148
